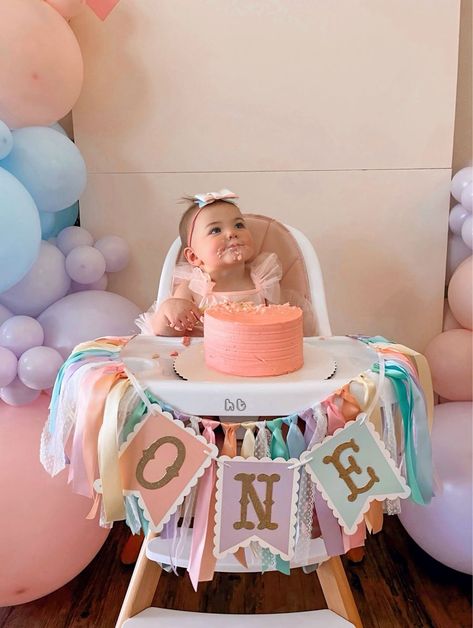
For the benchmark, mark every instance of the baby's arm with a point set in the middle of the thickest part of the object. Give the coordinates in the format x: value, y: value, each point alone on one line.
x: 178, y: 315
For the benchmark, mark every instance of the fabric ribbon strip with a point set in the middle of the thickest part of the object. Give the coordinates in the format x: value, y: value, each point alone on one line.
x: 417, y: 445
x: 203, y: 519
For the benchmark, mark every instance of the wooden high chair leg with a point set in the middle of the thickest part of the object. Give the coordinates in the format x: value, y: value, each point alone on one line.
x: 336, y: 590
x: 142, y: 587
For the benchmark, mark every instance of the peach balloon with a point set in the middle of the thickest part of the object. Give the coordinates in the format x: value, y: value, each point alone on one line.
x: 41, y: 67
x: 449, y: 321
x: 67, y: 8
x: 45, y: 539
x: 460, y: 293
x: 450, y: 355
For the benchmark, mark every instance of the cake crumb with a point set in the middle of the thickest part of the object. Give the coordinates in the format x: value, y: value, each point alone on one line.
x: 155, y: 356
x: 186, y: 341
x: 174, y: 354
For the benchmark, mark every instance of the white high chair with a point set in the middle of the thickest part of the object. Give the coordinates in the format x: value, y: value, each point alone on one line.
x: 301, y: 272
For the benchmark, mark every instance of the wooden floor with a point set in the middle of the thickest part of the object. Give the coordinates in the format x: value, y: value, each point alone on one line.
x: 397, y: 585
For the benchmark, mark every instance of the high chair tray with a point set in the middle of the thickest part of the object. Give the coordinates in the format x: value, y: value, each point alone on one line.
x: 151, y: 359
x: 166, y: 618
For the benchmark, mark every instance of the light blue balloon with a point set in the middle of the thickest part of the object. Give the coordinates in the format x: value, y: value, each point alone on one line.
x: 20, y: 231
x: 49, y: 165
x: 54, y: 222
x: 6, y: 140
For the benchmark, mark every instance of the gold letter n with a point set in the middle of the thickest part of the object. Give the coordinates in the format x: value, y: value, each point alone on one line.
x: 248, y: 493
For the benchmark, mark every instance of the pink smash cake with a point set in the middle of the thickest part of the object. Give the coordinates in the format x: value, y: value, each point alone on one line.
x: 253, y: 340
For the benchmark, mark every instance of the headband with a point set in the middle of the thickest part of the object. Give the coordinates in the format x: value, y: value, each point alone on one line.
x: 202, y: 200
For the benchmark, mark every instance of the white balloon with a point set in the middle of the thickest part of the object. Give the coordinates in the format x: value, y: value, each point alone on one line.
x: 467, y: 197
x: 456, y: 218
x: 116, y: 252
x: 461, y: 179
x: 85, y: 264
x: 467, y: 232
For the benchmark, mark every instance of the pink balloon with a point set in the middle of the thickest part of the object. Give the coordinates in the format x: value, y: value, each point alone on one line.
x: 8, y: 366
x: 87, y: 315
x: 17, y: 394
x: 45, y: 540
x: 457, y: 251
x: 443, y: 529
x: 38, y: 367
x: 41, y: 69
x: 449, y: 321
x: 460, y: 293
x: 115, y: 251
x: 67, y: 8
x: 85, y: 264
x: 450, y: 355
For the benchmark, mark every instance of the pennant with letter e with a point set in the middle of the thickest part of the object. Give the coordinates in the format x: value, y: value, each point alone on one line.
x: 256, y: 501
x: 102, y: 8
x: 352, y: 468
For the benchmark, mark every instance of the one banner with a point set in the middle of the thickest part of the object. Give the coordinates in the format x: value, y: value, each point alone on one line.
x: 256, y: 501
x: 160, y: 462
x: 102, y: 8
x: 351, y: 469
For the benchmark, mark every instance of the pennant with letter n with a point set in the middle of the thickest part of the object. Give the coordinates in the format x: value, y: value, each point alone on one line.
x: 351, y: 469
x: 256, y: 501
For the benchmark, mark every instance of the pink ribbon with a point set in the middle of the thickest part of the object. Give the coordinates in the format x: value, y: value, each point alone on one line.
x: 102, y: 8
x: 201, y: 562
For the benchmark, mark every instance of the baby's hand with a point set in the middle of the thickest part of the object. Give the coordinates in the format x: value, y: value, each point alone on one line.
x: 181, y: 314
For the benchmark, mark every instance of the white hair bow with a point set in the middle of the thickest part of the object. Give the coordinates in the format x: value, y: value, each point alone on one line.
x: 210, y: 197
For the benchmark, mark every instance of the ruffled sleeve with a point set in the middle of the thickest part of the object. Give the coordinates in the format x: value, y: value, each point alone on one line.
x: 144, y: 322
x: 266, y: 272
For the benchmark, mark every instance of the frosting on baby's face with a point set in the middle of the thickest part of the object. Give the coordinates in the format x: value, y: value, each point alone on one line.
x: 220, y: 238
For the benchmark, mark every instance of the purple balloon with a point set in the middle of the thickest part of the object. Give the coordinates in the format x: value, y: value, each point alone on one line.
x: 87, y: 315
x: 17, y: 394
x: 85, y: 264
x: 38, y: 367
x: 4, y: 314
x: 467, y: 197
x: 456, y: 218
x: 115, y: 251
x: 20, y: 333
x: 444, y: 528
x: 70, y: 237
x: 45, y: 283
x: 8, y: 366
x: 459, y: 182
x: 467, y: 232
x: 457, y: 251
x: 100, y: 284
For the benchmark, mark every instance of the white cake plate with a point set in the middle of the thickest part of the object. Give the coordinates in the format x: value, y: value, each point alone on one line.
x: 191, y: 366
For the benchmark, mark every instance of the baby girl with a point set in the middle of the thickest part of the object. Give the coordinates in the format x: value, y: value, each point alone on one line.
x: 219, y: 250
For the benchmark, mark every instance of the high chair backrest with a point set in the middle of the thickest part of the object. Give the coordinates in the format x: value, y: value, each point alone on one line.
x: 302, y: 276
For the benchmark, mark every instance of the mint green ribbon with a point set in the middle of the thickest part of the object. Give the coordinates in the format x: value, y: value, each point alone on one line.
x: 279, y: 449
x: 417, y: 444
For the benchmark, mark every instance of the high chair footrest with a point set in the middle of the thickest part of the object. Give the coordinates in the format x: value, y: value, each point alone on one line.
x: 165, y: 618
x: 158, y: 550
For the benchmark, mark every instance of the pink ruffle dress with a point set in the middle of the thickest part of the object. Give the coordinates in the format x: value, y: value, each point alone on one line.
x: 265, y: 272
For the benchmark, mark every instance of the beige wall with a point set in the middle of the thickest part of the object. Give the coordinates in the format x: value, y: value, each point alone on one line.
x: 337, y: 118
x: 462, y: 147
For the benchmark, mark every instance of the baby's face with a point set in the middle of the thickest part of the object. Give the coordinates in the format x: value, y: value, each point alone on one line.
x: 220, y: 237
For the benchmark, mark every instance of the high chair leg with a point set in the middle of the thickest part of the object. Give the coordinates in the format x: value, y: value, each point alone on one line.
x: 143, y: 584
x: 336, y: 590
